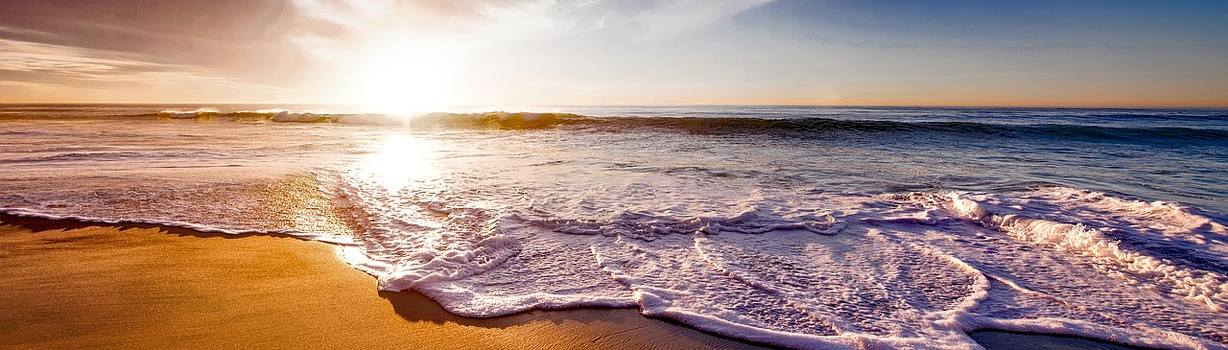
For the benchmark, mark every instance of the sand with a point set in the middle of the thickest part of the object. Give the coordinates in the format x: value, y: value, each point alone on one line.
x: 68, y: 286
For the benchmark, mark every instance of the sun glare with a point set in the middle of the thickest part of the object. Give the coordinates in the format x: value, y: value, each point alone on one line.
x: 400, y: 161
x: 401, y: 80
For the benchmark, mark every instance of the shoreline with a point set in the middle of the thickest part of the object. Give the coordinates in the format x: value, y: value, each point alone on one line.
x: 73, y: 284
x: 83, y: 285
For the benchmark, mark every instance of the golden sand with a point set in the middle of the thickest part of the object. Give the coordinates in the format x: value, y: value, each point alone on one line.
x: 65, y: 285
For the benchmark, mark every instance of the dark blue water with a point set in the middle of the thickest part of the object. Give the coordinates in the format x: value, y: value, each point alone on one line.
x: 1156, y: 154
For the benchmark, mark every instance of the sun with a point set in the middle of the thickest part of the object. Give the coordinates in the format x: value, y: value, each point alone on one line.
x: 405, y: 79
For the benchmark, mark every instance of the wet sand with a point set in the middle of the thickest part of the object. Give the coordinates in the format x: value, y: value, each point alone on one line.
x: 1001, y: 340
x: 68, y: 285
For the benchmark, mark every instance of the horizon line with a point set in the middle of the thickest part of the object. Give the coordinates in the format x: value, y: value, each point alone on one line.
x: 1005, y: 106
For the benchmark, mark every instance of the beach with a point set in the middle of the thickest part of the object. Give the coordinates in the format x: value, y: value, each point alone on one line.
x: 649, y: 174
x: 69, y: 285
x: 796, y: 227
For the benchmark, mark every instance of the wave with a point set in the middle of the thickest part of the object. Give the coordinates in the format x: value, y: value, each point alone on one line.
x: 200, y: 228
x: 808, y: 126
x: 649, y: 227
x: 748, y: 124
x: 489, y: 120
x: 77, y: 156
x: 1203, y: 287
x: 808, y: 281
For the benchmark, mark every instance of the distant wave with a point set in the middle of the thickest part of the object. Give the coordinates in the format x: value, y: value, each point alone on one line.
x: 803, y: 127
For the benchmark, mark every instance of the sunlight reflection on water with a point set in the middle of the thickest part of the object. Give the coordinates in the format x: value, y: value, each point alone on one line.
x: 399, y: 161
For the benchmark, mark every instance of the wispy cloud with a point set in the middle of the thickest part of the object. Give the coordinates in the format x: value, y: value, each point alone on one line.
x: 353, y: 15
x: 299, y: 45
x: 671, y: 18
x: 38, y: 67
x: 63, y: 61
x: 501, y: 21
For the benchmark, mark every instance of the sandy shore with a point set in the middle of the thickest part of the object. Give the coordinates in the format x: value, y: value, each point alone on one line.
x: 68, y: 286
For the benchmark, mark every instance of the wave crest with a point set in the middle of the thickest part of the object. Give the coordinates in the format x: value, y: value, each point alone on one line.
x: 1205, y: 287
x: 713, y: 125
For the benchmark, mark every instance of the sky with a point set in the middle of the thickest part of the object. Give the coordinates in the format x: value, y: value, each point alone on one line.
x: 432, y: 54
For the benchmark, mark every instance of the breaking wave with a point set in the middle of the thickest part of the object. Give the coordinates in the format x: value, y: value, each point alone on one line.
x: 800, y: 126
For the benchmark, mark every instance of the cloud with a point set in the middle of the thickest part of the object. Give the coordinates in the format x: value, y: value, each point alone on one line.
x: 118, y: 47
x: 352, y: 15
x: 299, y: 45
x: 39, y: 69
x: 671, y: 18
x: 496, y: 21
x: 63, y: 61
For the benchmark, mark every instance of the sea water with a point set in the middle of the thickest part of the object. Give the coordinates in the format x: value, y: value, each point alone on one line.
x: 806, y: 227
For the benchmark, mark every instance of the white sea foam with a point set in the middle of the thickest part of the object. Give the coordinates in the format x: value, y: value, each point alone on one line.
x: 860, y: 278
x: 1206, y: 287
x: 28, y: 213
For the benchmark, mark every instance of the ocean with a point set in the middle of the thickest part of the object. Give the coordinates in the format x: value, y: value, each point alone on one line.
x: 795, y: 226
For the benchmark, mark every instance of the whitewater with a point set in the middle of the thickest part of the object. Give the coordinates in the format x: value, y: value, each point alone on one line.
x: 800, y: 227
